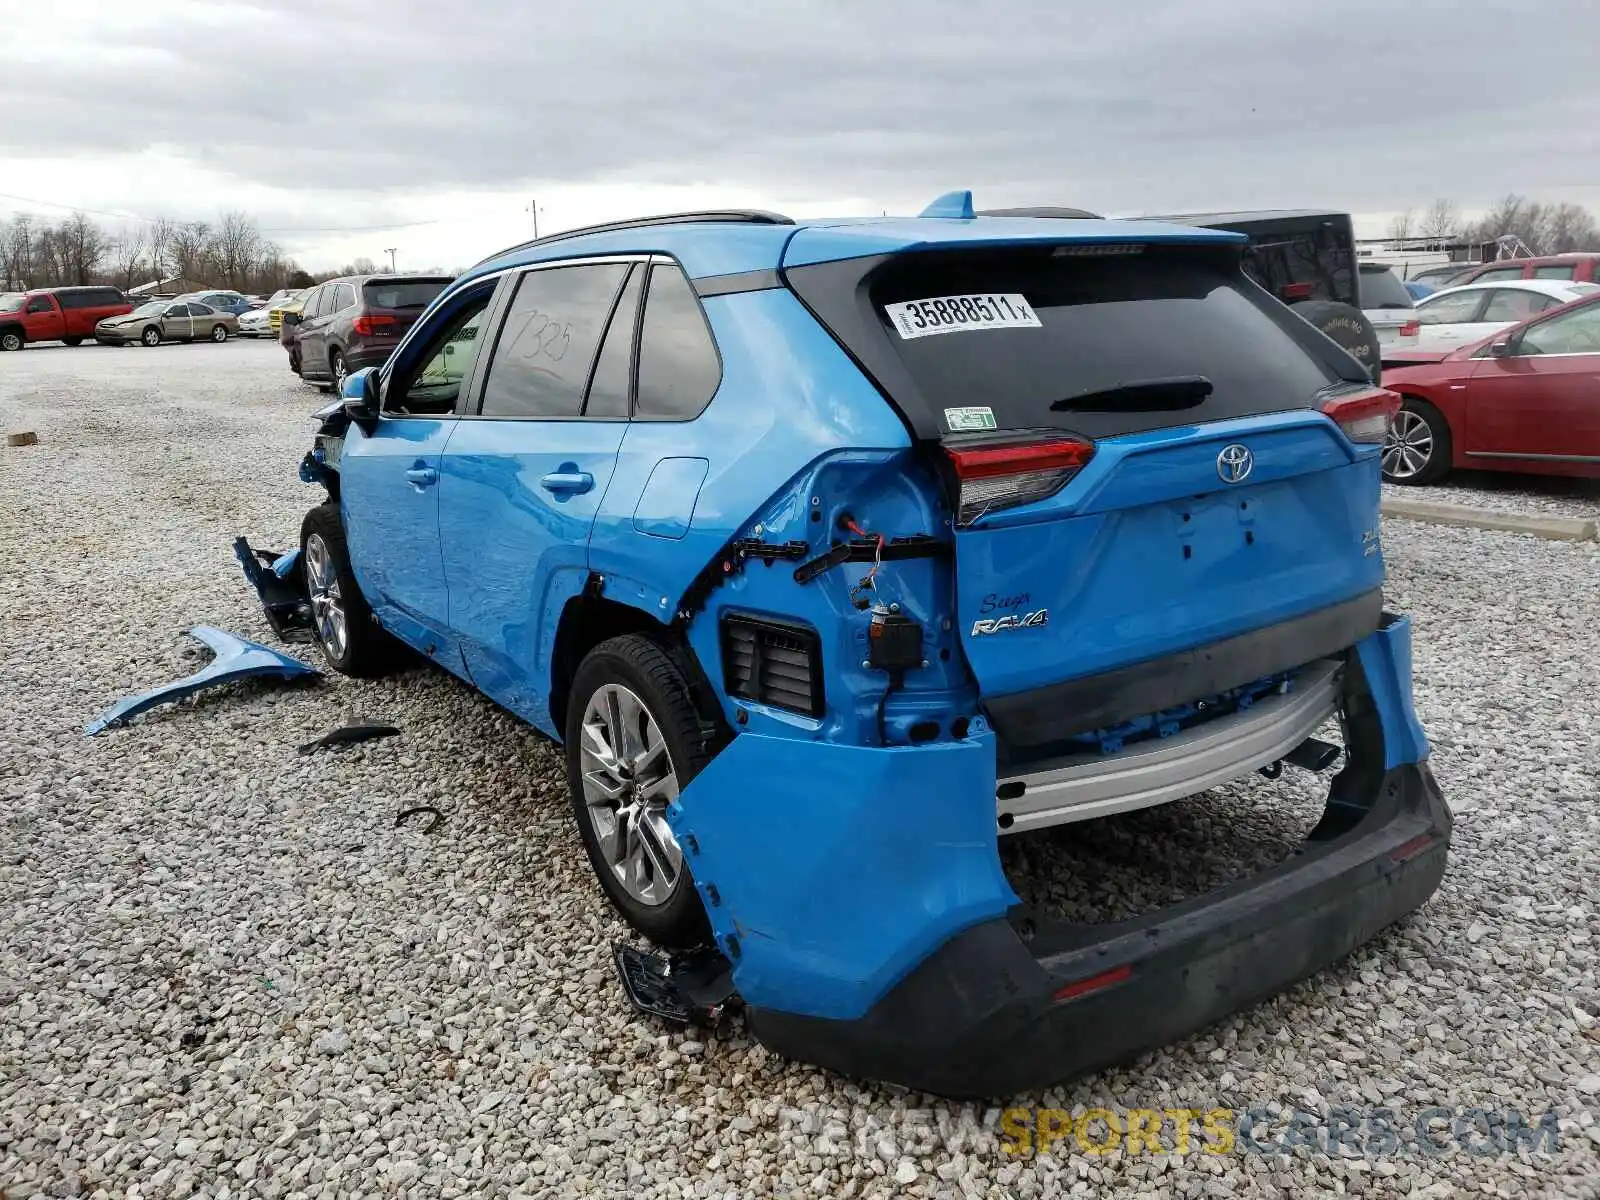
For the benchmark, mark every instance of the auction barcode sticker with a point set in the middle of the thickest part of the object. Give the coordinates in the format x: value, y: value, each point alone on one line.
x: 956, y: 314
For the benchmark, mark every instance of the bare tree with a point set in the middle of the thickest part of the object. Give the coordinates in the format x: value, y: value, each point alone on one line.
x: 1400, y: 226
x: 162, y: 230
x: 1568, y: 227
x: 83, y: 248
x: 186, y: 251
x: 127, y: 255
x: 1442, y: 219
x: 18, y: 252
x: 235, y: 248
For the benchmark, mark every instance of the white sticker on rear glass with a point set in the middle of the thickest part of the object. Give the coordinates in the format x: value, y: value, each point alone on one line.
x: 960, y: 419
x: 958, y: 314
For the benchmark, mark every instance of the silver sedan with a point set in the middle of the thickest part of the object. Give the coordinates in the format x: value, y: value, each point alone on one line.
x: 167, y: 321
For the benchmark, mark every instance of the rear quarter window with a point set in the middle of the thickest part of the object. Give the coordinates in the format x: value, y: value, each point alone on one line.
x: 1102, y: 322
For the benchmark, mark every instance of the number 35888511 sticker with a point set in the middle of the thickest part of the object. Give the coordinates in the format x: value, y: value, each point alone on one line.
x: 957, y: 314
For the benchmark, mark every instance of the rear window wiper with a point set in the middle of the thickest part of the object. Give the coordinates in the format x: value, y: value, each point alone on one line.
x: 1176, y: 392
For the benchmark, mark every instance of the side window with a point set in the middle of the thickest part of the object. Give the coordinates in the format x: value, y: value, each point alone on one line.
x: 74, y: 299
x: 547, y: 345
x: 1497, y: 274
x: 1511, y: 304
x: 446, y: 363
x: 344, y: 297
x: 1565, y: 271
x: 177, y: 310
x: 611, y: 388
x: 1569, y: 333
x: 1449, y: 310
x: 314, y: 303
x: 40, y: 304
x: 679, y: 369
x: 201, y: 310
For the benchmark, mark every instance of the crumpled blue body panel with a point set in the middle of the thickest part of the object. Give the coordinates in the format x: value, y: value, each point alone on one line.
x: 830, y: 871
x: 1386, y: 661
x: 235, y: 659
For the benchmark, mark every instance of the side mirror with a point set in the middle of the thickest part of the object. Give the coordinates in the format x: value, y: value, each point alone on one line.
x: 361, y: 398
x: 291, y: 318
x: 1502, y: 348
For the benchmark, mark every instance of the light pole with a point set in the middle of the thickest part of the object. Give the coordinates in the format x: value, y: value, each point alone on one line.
x: 533, y: 207
x: 390, y: 252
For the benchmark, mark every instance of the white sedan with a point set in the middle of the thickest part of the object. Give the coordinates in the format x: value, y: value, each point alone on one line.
x: 1459, y: 315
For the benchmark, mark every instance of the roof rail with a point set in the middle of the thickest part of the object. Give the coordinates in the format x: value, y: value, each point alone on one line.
x: 1040, y: 211
x: 748, y: 216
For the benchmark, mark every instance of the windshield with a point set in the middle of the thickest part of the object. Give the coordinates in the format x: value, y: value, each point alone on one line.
x: 403, y: 294
x: 150, y: 310
x: 1381, y: 288
x: 11, y: 303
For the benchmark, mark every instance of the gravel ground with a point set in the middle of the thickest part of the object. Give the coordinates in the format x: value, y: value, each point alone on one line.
x: 224, y: 972
x: 1542, y: 496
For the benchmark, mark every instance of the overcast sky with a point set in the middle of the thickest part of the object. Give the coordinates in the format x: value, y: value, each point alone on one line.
x: 324, y: 118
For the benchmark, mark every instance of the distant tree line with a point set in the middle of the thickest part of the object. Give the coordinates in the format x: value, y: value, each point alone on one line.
x: 230, y: 253
x: 1542, y: 228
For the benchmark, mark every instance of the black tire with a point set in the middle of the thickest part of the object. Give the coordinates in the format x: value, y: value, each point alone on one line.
x: 151, y: 336
x: 645, y: 669
x: 366, y: 649
x: 294, y: 363
x: 1347, y: 326
x: 11, y: 339
x: 1418, y: 428
x: 73, y: 341
x: 337, y: 370
x: 219, y: 333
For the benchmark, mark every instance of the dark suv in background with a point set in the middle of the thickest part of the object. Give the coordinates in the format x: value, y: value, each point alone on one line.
x: 354, y: 322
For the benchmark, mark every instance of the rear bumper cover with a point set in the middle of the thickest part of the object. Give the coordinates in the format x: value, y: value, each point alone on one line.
x: 986, y: 1014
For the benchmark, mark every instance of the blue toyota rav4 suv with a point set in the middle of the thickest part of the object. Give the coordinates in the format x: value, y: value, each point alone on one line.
x: 835, y: 551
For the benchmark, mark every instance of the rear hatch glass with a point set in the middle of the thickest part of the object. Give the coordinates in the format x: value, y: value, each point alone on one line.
x: 392, y: 306
x: 1043, y: 337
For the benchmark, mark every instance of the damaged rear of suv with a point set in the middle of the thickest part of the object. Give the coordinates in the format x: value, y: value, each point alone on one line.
x: 836, y: 552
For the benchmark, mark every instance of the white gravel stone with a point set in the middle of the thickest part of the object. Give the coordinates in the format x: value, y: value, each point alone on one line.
x: 192, y: 916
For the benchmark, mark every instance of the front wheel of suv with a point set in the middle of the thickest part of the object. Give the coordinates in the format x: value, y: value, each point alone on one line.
x: 1416, y: 449
x: 633, y: 742
x: 351, y: 641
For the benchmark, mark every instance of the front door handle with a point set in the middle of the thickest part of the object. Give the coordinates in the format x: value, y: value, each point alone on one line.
x: 422, y: 477
x: 568, y: 483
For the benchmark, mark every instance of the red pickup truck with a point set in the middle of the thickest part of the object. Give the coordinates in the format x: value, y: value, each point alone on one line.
x: 64, y: 314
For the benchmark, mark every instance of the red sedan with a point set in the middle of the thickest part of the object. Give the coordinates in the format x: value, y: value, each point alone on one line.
x: 1524, y: 399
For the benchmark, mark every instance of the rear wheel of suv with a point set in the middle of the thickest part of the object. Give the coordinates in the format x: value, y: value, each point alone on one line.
x: 219, y: 333
x: 1417, y: 447
x: 633, y: 743
x: 338, y: 371
x: 1349, y: 327
x: 73, y: 341
x: 351, y: 641
x: 151, y: 336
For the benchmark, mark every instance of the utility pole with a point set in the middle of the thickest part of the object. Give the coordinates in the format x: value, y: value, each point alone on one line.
x: 533, y: 207
x: 390, y: 252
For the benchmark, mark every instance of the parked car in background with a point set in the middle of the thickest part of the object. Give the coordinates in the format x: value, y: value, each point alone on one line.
x: 280, y: 303
x: 1526, y: 398
x: 1583, y: 267
x: 1386, y: 303
x: 1418, y: 291
x: 355, y: 322
x: 66, y: 314
x: 167, y: 321
x: 255, y: 323
x: 1441, y: 276
x: 1469, y: 313
x: 222, y: 300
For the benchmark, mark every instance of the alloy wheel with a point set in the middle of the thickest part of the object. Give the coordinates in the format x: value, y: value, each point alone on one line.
x: 339, y: 371
x: 327, y: 602
x: 628, y: 782
x: 1408, y: 446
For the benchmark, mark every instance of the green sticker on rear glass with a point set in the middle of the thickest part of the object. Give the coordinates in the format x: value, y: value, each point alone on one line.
x: 960, y: 419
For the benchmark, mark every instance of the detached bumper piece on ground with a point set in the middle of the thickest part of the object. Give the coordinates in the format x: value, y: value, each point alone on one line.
x: 832, y: 957
x: 235, y: 658
x: 280, y: 583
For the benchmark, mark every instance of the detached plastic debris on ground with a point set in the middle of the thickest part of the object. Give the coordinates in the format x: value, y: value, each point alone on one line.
x: 280, y: 583
x: 235, y: 658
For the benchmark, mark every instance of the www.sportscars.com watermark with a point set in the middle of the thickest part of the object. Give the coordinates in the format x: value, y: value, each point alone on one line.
x: 1374, y: 1134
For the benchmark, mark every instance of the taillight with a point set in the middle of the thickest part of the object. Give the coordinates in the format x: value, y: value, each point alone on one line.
x: 1364, y: 416
x: 1290, y: 292
x: 993, y: 477
x: 369, y: 323
x: 1411, y: 329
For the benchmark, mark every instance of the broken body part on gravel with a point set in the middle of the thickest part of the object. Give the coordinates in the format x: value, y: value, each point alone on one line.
x: 946, y: 535
x: 234, y: 658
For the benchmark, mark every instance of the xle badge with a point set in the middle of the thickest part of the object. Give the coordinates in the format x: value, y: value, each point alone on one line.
x: 1031, y: 620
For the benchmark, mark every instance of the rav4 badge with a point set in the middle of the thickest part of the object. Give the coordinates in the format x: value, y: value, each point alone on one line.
x: 1031, y: 620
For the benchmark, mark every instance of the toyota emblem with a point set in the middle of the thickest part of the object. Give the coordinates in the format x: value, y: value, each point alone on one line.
x: 1235, y: 463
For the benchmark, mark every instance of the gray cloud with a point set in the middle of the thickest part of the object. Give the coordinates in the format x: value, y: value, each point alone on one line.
x: 1367, y: 104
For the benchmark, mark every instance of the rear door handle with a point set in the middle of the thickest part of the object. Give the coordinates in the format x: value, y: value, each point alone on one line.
x: 421, y: 477
x: 572, y: 483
